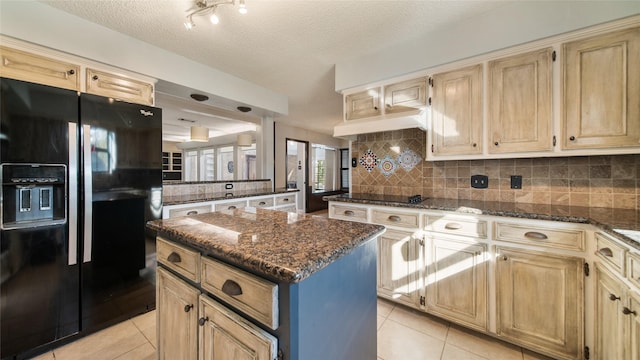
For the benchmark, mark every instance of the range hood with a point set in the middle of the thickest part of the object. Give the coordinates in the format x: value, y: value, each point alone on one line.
x: 406, y: 120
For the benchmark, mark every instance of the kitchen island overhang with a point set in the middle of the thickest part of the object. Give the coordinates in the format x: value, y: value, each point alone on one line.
x: 324, y: 269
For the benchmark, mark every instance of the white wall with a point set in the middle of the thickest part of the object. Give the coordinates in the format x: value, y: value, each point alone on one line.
x: 515, y: 23
x: 44, y: 25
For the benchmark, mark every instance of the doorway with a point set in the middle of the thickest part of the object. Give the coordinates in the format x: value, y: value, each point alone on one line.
x: 297, y: 169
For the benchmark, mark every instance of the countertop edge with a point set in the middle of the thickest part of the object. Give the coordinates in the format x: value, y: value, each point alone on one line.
x: 184, y: 199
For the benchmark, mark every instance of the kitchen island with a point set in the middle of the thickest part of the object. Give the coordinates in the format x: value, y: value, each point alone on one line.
x: 266, y: 284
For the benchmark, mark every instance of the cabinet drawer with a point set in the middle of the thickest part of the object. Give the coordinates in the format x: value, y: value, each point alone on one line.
x: 610, y: 252
x: 633, y: 269
x: 571, y: 239
x: 193, y: 210
x: 261, y: 203
x: 178, y: 258
x: 119, y: 87
x: 20, y: 65
x: 246, y: 292
x: 285, y: 200
x: 289, y: 208
x: 230, y: 205
x: 456, y: 226
x: 393, y: 218
x: 351, y: 213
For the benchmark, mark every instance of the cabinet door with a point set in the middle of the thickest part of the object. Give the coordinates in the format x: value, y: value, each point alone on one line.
x: 601, y: 80
x: 177, y: 318
x: 363, y: 104
x: 634, y: 330
x: 20, y: 65
x: 398, y: 254
x: 406, y: 95
x: 457, y: 112
x: 539, y: 301
x: 609, y: 319
x: 225, y: 335
x: 119, y: 87
x: 520, y: 103
x: 456, y: 282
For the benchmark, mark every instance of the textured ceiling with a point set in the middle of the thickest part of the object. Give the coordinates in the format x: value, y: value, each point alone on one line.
x: 289, y: 46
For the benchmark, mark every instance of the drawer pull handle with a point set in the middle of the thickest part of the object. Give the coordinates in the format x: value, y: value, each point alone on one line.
x: 262, y: 203
x: 174, y: 258
x: 453, y: 226
x: 606, y: 252
x: 232, y: 207
x: 613, y: 297
x: 349, y: 213
x: 285, y: 200
x: 192, y: 212
x: 203, y: 321
x: 535, y: 235
x: 231, y: 288
x: 394, y: 218
x: 187, y: 308
x: 626, y: 311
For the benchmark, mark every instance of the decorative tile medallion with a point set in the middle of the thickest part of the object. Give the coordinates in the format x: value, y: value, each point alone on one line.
x: 408, y: 159
x: 369, y: 160
x: 388, y: 166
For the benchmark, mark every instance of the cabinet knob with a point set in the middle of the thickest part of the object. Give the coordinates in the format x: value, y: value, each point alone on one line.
x: 626, y: 311
x: 474, y: 145
x: 375, y: 108
x: 605, y: 252
x: 231, y: 288
x: 612, y: 297
x: 203, y: 321
x: 174, y: 258
x: 71, y: 72
x: 188, y: 307
x: 505, y: 258
x: 95, y: 77
x: 572, y: 138
x: 496, y: 143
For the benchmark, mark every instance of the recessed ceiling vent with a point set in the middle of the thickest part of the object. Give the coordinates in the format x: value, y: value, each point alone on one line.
x: 199, y: 97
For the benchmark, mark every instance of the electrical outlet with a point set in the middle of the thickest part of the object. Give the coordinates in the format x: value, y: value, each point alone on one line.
x: 228, y: 186
x: 479, y: 181
x: 516, y: 181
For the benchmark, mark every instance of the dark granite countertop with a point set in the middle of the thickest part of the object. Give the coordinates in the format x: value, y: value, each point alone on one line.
x: 286, y: 246
x: 232, y: 194
x: 623, y: 224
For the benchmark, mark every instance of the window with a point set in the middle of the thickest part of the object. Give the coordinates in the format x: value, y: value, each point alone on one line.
x: 247, y: 162
x: 207, y: 165
x: 103, y: 152
x: 323, y: 168
x: 344, y: 169
x: 225, y: 165
x: 191, y: 165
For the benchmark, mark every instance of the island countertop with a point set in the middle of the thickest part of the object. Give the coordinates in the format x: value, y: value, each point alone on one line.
x: 285, y: 246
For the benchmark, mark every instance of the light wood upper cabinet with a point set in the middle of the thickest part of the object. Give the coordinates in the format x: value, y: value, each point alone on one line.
x: 20, y: 65
x: 119, y: 87
x: 363, y: 104
x: 177, y: 302
x: 601, y: 91
x: 539, y: 301
x: 405, y: 95
x: 520, y: 114
x: 456, y: 282
x: 457, y: 112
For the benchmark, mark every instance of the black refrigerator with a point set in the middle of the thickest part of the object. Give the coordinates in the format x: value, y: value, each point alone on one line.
x: 80, y: 175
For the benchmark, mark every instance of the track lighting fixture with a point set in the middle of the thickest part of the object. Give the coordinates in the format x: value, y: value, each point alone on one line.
x: 209, y: 7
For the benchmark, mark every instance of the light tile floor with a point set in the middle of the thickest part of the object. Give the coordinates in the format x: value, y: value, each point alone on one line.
x: 403, y: 334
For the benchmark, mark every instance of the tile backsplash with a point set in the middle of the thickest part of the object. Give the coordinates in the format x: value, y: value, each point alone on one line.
x: 596, y: 181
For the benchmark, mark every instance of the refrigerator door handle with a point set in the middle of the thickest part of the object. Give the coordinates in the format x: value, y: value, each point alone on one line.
x: 88, y: 196
x: 73, y: 194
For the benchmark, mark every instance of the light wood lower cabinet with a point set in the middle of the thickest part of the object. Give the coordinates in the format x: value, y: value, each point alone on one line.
x: 398, y: 256
x: 178, y: 327
x: 617, y: 318
x: 225, y: 335
x: 539, y: 301
x: 456, y: 281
